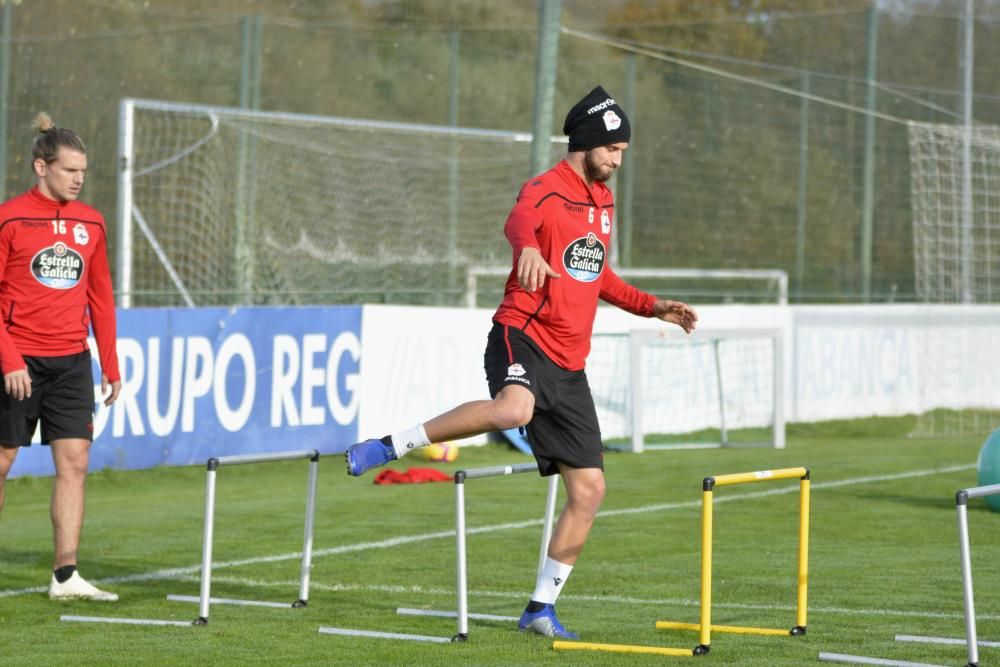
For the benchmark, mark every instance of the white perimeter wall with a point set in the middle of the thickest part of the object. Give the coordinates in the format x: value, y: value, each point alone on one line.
x: 841, y: 361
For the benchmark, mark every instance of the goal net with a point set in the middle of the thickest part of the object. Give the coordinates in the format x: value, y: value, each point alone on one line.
x: 955, y: 191
x: 955, y: 179
x: 660, y: 389
x: 223, y: 205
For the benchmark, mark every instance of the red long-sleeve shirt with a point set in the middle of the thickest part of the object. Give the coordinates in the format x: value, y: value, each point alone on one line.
x: 570, y: 224
x: 54, y: 282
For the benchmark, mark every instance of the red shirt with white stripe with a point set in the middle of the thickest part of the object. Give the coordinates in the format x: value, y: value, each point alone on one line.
x: 570, y: 224
x: 55, y: 282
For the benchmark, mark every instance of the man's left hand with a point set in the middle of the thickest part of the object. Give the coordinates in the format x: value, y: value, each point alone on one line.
x: 115, y: 387
x: 677, y: 312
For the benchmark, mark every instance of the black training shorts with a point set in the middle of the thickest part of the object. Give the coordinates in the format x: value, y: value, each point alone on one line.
x: 62, y: 396
x: 564, y: 428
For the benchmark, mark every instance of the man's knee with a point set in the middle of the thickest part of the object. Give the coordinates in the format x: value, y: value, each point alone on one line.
x: 71, y: 459
x: 513, y: 407
x: 7, y: 455
x: 75, y: 467
x: 587, y: 490
x: 512, y: 416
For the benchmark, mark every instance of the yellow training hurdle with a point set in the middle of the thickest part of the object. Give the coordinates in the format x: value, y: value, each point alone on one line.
x: 705, y: 627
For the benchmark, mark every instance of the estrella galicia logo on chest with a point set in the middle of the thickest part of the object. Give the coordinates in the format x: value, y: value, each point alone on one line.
x: 59, y: 267
x: 584, y: 258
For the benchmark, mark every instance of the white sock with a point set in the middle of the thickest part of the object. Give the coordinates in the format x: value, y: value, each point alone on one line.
x: 550, y: 581
x: 406, y: 441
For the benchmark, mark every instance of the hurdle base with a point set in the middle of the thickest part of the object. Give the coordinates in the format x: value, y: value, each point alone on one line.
x: 201, y: 620
x: 701, y: 649
x: 560, y: 645
x: 461, y: 637
x: 844, y: 658
x: 124, y: 621
x: 300, y: 604
x: 731, y: 629
x: 944, y: 640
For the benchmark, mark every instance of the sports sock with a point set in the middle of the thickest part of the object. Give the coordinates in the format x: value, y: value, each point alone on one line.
x: 406, y: 441
x: 63, y: 573
x: 550, y: 580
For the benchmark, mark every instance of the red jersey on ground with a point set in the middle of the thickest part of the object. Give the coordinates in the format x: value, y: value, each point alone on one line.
x: 54, y: 282
x: 570, y: 224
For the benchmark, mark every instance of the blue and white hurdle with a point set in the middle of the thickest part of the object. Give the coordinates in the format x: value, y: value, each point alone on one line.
x: 213, y: 465
x: 204, y: 600
x: 462, y: 613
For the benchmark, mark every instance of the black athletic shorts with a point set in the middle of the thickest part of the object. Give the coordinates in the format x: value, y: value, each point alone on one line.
x: 564, y: 428
x: 62, y: 396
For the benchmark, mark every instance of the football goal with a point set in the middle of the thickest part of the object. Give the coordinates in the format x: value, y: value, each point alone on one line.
x: 659, y: 388
x: 955, y: 194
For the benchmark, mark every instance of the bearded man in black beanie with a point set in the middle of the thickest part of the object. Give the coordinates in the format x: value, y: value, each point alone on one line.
x: 560, y: 233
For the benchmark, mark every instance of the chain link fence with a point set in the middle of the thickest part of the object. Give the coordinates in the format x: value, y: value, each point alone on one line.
x: 764, y: 137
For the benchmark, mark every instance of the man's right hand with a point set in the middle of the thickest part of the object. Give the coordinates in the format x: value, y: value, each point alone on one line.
x: 18, y: 384
x: 532, y: 270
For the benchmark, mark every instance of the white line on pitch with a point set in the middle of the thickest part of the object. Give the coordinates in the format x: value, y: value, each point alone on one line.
x: 175, y: 573
x: 410, y: 611
x: 246, y: 603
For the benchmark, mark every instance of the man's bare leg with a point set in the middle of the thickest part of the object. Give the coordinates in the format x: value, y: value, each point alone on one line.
x: 585, y: 489
x: 71, y: 457
x: 7, y: 455
x: 512, y: 407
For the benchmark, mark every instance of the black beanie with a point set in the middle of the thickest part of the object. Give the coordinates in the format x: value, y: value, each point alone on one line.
x: 596, y: 120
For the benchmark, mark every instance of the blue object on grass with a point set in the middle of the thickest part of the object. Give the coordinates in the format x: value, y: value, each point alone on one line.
x: 989, y: 467
x: 515, y: 438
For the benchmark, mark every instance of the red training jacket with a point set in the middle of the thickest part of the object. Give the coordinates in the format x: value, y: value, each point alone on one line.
x: 54, y: 282
x: 570, y: 224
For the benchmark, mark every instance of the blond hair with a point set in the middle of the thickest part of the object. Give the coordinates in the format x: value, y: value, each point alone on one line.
x: 46, y: 146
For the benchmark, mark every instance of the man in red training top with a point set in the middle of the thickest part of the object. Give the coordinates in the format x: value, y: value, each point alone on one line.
x: 55, y: 284
x: 560, y: 231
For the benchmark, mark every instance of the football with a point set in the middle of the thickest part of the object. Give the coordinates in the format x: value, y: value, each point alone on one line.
x: 444, y: 452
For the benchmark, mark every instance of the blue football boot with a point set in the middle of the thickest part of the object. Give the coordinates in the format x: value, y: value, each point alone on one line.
x: 544, y: 622
x: 366, y: 455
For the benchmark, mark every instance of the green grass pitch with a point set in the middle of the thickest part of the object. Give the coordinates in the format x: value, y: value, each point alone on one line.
x: 884, y: 559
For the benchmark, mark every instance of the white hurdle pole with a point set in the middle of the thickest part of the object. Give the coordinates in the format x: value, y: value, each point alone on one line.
x: 213, y: 465
x: 461, y: 476
x: 307, y: 542
x: 206, y: 544
x: 961, y: 501
x: 550, y: 510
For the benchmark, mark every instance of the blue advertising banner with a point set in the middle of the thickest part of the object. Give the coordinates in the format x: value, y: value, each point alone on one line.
x: 205, y: 382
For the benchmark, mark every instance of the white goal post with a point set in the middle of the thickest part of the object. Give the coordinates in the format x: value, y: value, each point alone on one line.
x: 663, y: 389
x: 774, y: 282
